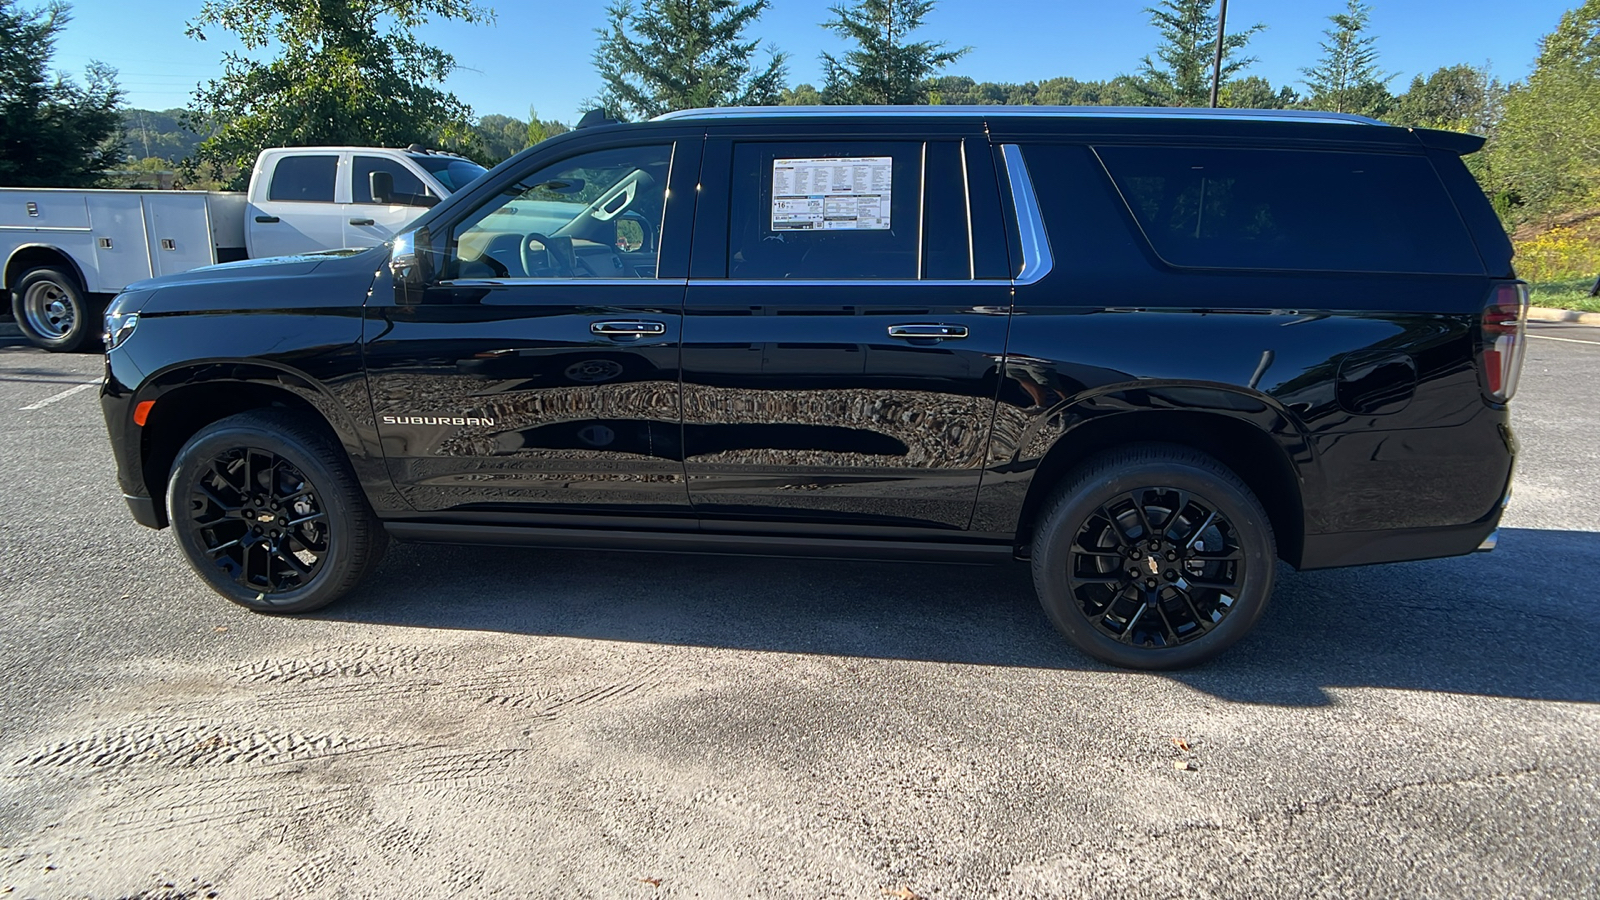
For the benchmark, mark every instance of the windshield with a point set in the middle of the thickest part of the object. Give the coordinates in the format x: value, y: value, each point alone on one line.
x: 453, y: 172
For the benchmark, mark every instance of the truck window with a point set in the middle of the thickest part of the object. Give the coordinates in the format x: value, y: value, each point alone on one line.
x: 1292, y: 209
x: 408, y: 188
x: 836, y: 210
x: 304, y: 179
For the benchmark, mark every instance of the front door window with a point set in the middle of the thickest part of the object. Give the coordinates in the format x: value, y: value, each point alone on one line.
x: 592, y: 216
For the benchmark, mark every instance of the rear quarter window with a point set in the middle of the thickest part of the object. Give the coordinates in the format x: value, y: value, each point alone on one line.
x: 1209, y: 207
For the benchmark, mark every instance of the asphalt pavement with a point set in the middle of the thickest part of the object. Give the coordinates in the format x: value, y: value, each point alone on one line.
x: 493, y: 722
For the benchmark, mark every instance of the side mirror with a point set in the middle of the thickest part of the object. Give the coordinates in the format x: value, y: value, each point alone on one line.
x: 411, y: 264
x: 381, y: 186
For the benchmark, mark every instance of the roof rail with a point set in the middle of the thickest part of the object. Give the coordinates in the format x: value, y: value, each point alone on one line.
x: 1087, y: 112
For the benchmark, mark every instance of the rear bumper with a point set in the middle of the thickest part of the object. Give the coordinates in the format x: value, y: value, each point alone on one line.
x: 1359, y: 548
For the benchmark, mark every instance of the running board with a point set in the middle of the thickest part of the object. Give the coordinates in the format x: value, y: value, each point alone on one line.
x: 699, y: 542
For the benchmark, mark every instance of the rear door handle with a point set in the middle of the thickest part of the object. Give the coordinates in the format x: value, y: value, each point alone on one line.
x: 627, y: 329
x: 362, y: 222
x: 937, y: 332
x: 267, y: 220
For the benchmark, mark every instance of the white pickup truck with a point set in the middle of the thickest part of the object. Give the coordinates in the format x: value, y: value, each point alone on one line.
x: 67, y: 252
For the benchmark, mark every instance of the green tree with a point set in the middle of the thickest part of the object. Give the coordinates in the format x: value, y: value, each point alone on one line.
x: 1346, y: 78
x: 800, y: 95
x: 542, y: 129
x: 1180, y: 74
x: 1255, y: 92
x: 53, y: 132
x: 347, y: 72
x: 684, y: 54
x: 1545, y: 157
x: 886, y: 68
x: 161, y: 134
x: 1457, y: 98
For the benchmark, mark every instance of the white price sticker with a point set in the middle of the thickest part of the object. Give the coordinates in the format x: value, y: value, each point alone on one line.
x: 837, y: 194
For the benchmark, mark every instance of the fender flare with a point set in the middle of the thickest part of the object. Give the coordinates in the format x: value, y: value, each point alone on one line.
x: 6, y: 273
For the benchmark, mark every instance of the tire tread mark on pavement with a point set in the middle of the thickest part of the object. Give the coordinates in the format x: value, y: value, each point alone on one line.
x: 350, y: 661
x: 185, y: 745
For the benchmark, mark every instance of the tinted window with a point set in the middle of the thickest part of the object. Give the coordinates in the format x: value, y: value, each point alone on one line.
x: 825, y: 211
x: 307, y: 179
x: 408, y: 188
x: 1292, y: 209
x: 452, y: 172
x: 596, y: 215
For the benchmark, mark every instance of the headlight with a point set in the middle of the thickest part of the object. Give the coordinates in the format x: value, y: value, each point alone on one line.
x: 119, y: 326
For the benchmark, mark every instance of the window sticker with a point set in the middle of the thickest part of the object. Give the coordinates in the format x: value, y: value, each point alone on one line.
x: 837, y: 194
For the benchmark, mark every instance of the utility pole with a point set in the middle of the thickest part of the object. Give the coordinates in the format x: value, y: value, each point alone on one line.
x: 1216, y: 63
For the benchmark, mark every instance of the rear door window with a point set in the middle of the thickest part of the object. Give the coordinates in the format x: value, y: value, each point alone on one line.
x: 304, y: 179
x: 827, y: 211
x: 1292, y: 209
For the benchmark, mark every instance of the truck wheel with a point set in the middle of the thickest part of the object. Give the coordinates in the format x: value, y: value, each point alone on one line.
x: 53, y: 311
x: 1154, y: 557
x: 267, y: 510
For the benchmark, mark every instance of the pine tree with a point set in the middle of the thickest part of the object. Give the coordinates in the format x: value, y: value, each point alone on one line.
x: 886, y: 68
x: 684, y: 54
x: 1187, y: 51
x: 1347, y: 78
x: 53, y: 133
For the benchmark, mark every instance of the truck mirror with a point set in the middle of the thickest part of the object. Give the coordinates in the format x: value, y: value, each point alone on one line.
x: 381, y: 185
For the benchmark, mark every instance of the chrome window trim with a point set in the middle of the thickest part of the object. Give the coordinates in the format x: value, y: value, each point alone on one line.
x: 733, y: 282
x: 851, y: 282
x: 1036, y: 258
x: 1021, y: 112
x: 966, y: 197
x: 513, y: 282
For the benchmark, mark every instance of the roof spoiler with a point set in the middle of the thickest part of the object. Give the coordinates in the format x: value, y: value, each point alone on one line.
x: 1454, y: 141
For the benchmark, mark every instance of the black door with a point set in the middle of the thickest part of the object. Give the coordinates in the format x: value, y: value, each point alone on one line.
x: 539, y: 372
x: 841, y: 337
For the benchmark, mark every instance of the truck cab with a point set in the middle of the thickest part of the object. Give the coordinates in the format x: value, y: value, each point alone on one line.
x: 304, y: 199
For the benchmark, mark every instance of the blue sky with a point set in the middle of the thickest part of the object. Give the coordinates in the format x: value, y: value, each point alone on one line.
x: 539, y: 52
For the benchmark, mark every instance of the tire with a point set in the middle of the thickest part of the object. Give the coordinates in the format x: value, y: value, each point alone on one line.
x: 313, y: 547
x: 54, y: 312
x: 1211, y: 565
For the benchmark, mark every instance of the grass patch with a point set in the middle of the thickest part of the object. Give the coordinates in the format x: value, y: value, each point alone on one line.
x: 1569, y: 294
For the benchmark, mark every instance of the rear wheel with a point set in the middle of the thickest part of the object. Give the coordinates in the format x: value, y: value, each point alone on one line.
x: 53, y: 310
x: 1154, y: 557
x: 266, y: 509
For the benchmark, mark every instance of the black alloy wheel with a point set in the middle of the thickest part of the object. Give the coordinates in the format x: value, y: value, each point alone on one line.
x: 268, y: 512
x: 260, y: 520
x: 1154, y: 558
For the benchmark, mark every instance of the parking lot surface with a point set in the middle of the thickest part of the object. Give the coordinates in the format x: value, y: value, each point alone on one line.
x: 493, y: 722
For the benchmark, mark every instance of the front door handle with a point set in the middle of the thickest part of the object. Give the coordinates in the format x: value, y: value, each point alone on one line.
x: 936, y: 332
x: 362, y: 222
x: 627, y: 329
x: 267, y: 220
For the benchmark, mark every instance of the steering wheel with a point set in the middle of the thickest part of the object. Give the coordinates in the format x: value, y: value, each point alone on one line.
x: 558, y: 267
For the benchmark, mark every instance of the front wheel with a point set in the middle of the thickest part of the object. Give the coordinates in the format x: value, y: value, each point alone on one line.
x: 268, y: 512
x: 1154, y: 557
x: 53, y: 311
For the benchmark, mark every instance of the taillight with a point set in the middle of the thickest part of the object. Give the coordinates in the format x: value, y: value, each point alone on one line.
x: 1502, y: 341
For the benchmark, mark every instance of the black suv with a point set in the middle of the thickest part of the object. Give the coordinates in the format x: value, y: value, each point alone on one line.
x: 1149, y: 351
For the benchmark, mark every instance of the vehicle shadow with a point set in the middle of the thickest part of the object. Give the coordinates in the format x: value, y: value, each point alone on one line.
x: 1519, y: 622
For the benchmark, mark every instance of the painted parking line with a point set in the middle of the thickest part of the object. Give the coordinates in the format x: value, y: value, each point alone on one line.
x: 61, y: 396
x: 1550, y: 337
